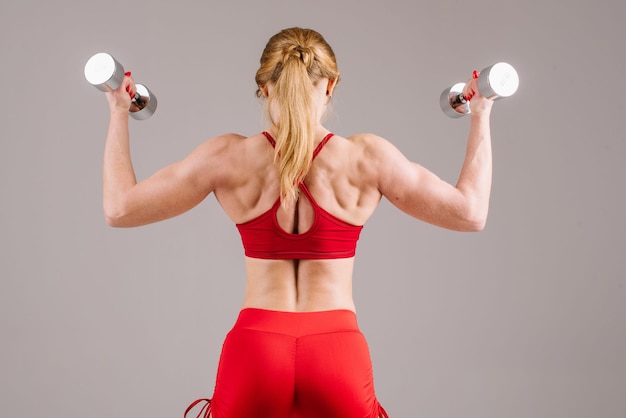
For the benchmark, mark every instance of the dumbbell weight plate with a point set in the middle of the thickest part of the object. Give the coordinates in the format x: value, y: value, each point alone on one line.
x: 104, y: 72
x: 144, y: 105
x: 498, y: 81
x: 451, y: 104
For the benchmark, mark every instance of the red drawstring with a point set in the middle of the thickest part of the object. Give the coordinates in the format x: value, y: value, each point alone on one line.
x: 205, y: 412
x: 381, y: 412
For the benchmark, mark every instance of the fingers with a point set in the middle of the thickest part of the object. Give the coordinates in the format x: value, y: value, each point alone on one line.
x: 471, y: 87
x: 480, y: 105
x: 122, y: 97
x: 129, y: 85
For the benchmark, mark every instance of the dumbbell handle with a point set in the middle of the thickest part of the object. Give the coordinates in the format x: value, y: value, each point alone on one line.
x: 137, y: 99
x: 461, y: 98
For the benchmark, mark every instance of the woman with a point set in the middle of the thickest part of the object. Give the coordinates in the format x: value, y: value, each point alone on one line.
x: 299, y: 196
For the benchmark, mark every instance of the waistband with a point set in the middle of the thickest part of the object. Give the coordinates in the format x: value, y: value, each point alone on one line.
x: 297, y: 324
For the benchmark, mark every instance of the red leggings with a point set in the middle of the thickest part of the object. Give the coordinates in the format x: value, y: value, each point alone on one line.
x: 294, y: 365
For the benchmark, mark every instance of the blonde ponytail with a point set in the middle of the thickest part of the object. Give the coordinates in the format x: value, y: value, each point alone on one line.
x: 294, y: 60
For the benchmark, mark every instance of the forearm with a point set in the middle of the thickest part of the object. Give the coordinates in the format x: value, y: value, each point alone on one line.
x: 118, y: 174
x: 475, y: 179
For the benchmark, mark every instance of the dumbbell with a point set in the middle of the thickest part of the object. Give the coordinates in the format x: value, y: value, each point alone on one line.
x: 106, y: 74
x: 495, y: 82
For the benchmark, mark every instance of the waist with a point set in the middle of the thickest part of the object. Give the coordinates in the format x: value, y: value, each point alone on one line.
x: 306, y: 285
x: 297, y: 324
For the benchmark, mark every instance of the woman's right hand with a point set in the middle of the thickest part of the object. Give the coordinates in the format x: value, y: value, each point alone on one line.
x: 120, y: 99
x: 479, y: 104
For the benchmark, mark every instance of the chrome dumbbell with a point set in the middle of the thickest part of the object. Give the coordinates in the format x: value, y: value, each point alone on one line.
x: 106, y: 74
x: 495, y: 82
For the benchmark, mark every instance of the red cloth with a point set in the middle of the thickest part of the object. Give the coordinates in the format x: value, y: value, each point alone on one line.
x: 294, y: 365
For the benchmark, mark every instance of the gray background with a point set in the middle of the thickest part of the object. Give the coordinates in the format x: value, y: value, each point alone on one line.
x: 525, y: 319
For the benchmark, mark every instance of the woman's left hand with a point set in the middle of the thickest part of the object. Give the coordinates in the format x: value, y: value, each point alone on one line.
x: 120, y: 99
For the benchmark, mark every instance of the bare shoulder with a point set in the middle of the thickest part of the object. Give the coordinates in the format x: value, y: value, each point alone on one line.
x: 223, y: 143
x: 380, y: 160
x: 225, y: 146
x: 374, y: 148
x: 370, y: 142
x: 231, y: 157
x: 364, y: 139
x: 214, y: 156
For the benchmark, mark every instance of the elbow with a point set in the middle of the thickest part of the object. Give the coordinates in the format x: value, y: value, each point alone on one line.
x: 476, y: 222
x: 114, y: 221
x: 474, y: 215
x: 465, y: 223
x: 476, y: 225
x: 470, y: 219
x: 114, y: 216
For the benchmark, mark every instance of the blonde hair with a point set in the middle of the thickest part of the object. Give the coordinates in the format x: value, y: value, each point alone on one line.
x: 294, y: 61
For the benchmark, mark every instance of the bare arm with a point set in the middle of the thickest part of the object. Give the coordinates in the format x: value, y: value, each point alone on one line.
x: 169, y: 192
x: 421, y: 194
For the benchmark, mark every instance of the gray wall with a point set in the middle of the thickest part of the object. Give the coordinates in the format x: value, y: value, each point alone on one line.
x: 525, y: 319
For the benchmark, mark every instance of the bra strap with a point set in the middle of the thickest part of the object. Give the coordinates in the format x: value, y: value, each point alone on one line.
x: 270, y: 139
x: 321, y: 144
x: 315, y: 152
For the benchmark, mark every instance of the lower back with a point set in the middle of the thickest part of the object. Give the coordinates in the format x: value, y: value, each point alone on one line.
x: 299, y: 285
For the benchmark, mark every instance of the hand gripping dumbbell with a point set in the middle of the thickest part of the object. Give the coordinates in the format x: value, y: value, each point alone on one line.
x: 106, y: 74
x: 495, y: 82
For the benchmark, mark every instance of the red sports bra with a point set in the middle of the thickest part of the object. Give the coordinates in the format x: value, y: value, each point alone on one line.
x: 328, y: 237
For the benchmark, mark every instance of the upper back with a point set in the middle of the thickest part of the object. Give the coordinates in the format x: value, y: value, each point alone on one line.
x: 340, y: 182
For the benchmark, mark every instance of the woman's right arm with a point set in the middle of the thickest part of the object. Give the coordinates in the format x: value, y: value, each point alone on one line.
x: 167, y: 193
x: 420, y: 193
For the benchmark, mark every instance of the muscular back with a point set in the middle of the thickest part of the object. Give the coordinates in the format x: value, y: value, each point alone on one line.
x: 341, y: 182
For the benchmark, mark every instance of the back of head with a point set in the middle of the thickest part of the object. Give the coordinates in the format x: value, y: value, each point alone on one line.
x: 293, y: 62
